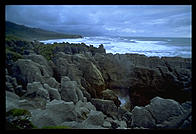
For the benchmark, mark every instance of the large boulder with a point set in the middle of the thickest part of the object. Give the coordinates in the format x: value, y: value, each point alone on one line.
x: 161, y: 113
x: 37, y: 94
x: 142, y: 118
x: 70, y: 90
x: 52, y: 83
x: 53, y: 93
x: 56, y: 112
x: 95, y: 118
x: 83, y: 109
x: 110, y: 95
x: 40, y: 60
x: 36, y: 89
x: 162, y: 109
x: 28, y: 71
x: 106, y: 106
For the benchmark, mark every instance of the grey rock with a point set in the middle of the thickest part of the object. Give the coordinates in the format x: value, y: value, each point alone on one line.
x: 9, y: 87
x: 106, y: 106
x: 53, y: 93
x: 162, y: 109
x: 107, y: 124
x: 56, y: 112
x: 27, y: 104
x: 52, y: 83
x: 11, y: 100
x: 36, y: 89
x: 40, y: 60
x: 142, y: 118
x: 27, y: 71
x: 72, y: 124
x: 68, y: 91
x: 110, y: 95
x: 95, y: 118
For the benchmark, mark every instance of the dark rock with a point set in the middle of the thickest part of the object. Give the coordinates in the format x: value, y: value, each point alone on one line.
x: 19, y: 90
x: 110, y: 95
x: 106, y: 106
x: 142, y: 118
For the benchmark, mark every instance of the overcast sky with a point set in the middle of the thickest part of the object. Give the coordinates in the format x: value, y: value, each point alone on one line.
x: 120, y: 20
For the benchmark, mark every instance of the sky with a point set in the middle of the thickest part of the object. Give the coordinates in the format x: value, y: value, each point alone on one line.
x: 102, y: 20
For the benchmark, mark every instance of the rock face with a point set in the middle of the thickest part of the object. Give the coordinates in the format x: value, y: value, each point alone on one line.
x: 110, y: 95
x: 70, y: 90
x: 80, y: 85
x: 27, y: 71
x: 147, y: 77
x: 80, y: 69
x: 106, y: 106
x: 160, y: 113
x: 63, y: 111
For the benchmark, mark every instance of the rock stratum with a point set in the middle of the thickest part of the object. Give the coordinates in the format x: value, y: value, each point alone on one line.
x: 78, y: 86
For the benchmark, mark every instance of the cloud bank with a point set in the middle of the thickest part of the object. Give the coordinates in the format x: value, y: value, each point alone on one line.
x: 117, y: 20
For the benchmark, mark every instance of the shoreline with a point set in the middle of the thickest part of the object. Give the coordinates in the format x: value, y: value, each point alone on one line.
x: 84, y: 78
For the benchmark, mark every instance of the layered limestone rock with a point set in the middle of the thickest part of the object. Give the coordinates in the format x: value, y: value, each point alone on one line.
x: 160, y: 113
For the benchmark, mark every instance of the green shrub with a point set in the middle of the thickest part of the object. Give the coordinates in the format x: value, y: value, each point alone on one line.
x: 13, y: 55
x: 18, y: 119
x: 18, y: 112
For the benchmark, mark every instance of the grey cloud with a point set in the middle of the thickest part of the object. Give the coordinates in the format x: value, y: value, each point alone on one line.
x: 129, y: 20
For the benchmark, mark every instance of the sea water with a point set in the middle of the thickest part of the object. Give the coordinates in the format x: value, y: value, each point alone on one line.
x: 149, y: 46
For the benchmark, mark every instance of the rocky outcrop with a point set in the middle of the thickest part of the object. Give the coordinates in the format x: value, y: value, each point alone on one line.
x: 70, y: 90
x: 161, y: 113
x: 27, y: 71
x: 110, y: 95
x: 63, y: 111
x: 147, y: 77
x: 81, y: 87
x: 80, y: 69
x: 106, y: 106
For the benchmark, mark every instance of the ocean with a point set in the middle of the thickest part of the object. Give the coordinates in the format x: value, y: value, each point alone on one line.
x: 149, y: 46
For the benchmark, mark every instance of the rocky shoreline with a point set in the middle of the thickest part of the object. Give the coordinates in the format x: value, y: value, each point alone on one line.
x: 79, y: 86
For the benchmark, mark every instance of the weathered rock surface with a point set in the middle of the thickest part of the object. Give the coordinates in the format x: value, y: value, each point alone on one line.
x: 80, y: 69
x: 106, y: 106
x: 42, y: 61
x: 95, y: 118
x: 56, y: 112
x: 161, y: 113
x: 85, y: 78
x: 110, y: 95
x: 147, y: 77
x: 70, y: 90
x: 53, y: 93
x: 27, y: 71
x: 11, y: 100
